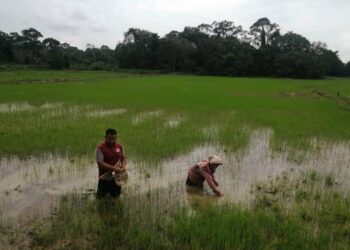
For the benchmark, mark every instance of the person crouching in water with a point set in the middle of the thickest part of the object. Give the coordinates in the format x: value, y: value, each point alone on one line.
x: 204, y: 170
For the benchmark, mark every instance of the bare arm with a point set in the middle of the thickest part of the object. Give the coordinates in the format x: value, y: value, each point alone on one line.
x: 211, y: 182
x: 104, y: 165
x: 122, y: 164
x: 215, y: 182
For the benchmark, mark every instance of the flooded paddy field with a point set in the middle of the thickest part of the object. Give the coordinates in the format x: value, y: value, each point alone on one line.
x: 285, y: 148
x: 32, y: 189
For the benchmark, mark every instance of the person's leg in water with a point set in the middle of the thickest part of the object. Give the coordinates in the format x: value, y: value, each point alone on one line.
x: 110, y: 208
x: 108, y: 188
x: 190, y: 183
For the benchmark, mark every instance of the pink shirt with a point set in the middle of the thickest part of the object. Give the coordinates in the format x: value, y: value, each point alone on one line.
x: 201, y: 172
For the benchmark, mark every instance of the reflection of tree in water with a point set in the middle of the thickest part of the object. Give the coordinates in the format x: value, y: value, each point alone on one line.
x: 199, y: 198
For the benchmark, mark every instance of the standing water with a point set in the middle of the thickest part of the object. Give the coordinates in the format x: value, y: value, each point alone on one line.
x: 33, y: 186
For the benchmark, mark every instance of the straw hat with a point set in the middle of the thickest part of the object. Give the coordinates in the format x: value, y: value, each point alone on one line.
x: 214, y: 159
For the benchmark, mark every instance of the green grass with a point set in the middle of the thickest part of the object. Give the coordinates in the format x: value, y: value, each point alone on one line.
x: 289, y: 107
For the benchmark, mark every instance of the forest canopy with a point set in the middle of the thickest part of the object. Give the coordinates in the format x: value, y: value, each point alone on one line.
x: 220, y: 48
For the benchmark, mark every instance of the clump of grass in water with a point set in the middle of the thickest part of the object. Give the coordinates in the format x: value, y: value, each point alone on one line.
x: 329, y: 180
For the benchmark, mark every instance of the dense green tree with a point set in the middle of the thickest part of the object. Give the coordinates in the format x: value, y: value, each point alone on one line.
x: 31, y: 46
x: 75, y: 56
x: 238, y: 58
x: 31, y: 35
x: 329, y: 60
x: 54, y: 55
x: 297, y: 64
x: 264, y: 59
x: 6, y: 53
x: 51, y: 44
x: 291, y: 42
x: 92, y: 58
x: 293, y: 57
x: 210, y: 56
x: 194, y: 35
x: 100, y: 59
x: 27, y: 47
x: 18, y: 48
x: 176, y: 54
x: 219, y: 48
x: 347, y: 69
x: 139, y: 49
x: 225, y: 57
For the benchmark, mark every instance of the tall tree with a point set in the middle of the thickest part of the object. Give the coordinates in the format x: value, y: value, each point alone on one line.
x: 194, y: 35
x: 206, y: 29
x: 225, y: 29
x: 30, y: 45
x: 264, y: 32
x: 51, y: 44
x: 54, y: 53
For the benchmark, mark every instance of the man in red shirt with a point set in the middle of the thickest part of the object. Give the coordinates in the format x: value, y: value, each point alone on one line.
x: 110, y: 158
x: 204, y: 171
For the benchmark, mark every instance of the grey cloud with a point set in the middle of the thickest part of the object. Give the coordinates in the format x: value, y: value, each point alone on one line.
x: 98, y: 28
x: 78, y: 15
x: 73, y: 29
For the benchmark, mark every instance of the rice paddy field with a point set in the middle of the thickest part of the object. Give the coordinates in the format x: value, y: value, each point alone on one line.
x: 285, y: 143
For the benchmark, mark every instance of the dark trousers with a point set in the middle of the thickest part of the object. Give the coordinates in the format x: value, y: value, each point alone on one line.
x: 190, y: 183
x: 107, y: 188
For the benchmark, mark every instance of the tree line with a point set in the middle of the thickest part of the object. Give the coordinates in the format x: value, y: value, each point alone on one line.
x: 220, y: 48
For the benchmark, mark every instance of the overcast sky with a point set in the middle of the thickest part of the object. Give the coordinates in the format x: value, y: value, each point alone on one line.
x: 103, y: 22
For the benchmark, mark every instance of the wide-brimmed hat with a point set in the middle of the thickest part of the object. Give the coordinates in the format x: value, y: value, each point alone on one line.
x: 214, y: 159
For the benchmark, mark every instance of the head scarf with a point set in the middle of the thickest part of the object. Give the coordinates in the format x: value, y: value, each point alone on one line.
x: 214, y: 159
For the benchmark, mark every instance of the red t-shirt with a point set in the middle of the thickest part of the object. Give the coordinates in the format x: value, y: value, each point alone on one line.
x: 111, y: 155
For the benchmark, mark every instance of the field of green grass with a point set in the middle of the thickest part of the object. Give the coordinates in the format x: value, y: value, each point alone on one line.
x: 159, y: 117
x: 294, y: 109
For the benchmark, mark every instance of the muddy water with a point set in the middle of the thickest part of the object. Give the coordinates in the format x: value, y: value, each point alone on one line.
x: 35, y: 184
